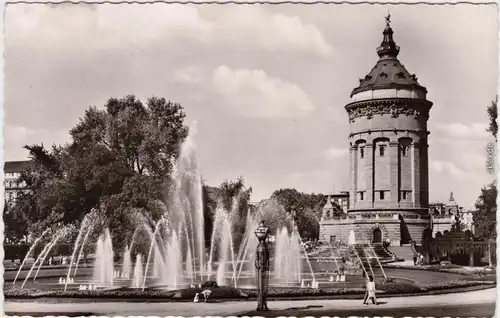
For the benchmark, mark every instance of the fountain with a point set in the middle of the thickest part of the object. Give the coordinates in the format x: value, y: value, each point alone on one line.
x: 374, y: 255
x: 352, y: 238
x: 85, y: 223
x: 35, y: 243
x: 127, y: 263
x: 288, y: 258
x: 104, y: 268
x: 137, y: 280
x: 175, y: 256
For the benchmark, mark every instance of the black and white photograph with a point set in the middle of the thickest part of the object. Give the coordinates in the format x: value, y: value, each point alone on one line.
x: 286, y: 159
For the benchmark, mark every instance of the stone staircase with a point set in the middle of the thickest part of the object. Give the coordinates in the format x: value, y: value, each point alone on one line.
x: 382, y: 252
x: 404, y: 252
x: 369, y: 262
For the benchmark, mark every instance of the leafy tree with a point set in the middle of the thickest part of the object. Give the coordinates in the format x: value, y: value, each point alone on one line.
x: 492, y: 111
x: 119, y: 160
x: 16, y: 227
x: 307, y: 209
x: 235, y: 197
x: 210, y: 197
x: 485, y: 215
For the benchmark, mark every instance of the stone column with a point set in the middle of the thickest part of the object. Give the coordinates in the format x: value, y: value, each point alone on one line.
x: 354, y: 175
x: 424, y: 186
x: 369, y: 156
x: 394, y: 172
x: 415, y: 173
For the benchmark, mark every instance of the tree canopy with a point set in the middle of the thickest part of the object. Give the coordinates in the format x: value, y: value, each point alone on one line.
x: 306, y: 207
x: 118, y: 161
x: 485, y: 215
x: 234, y: 197
x: 486, y: 205
x: 492, y: 111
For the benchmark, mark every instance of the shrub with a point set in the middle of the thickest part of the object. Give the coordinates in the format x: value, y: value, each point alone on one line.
x: 400, y: 288
x: 299, y: 292
x: 210, y: 284
x: 388, y: 280
x: 480, y: 278
x: 392, y: 286
x: 451, y: 284
x: 25, y: 292
x: 222, y: 292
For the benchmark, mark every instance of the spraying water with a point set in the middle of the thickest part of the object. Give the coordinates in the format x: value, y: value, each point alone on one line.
x: 29, y: 253
x: 84, y: 225
x: 137, y: 279
x: 378, y: 260
x: 82, y: 249
x: 43, y: 255
x: 352, y: 238
x: 104, y: 268
x: 153, y: 244
x: 287, y: 260
x: 127, y: 263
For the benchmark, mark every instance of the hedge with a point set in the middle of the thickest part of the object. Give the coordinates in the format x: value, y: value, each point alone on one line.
x: 299, y: 292
x: 222, y: 292
x: 451, y: 284
x: 480, y: 278
x: 392, y: 286
x: 454, y: 269
x: 388, y: 286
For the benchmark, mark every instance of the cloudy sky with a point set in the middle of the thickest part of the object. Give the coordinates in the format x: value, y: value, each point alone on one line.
x: 267, y: 85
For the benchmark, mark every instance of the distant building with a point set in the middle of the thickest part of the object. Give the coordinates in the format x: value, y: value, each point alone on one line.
x: 445, y: 215
x: 12, y: 172
x: 336, y: 205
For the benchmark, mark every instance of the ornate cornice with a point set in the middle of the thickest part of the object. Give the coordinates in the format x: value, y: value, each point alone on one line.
x: 395, y: 131
x: 417, y: 108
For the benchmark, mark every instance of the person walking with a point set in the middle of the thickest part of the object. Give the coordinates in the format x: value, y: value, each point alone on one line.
x: 366, y: 291
x: 370, y: 291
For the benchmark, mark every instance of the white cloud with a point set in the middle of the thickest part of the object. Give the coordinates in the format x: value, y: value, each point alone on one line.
x: 450, y: 168
x: 273, y: 32
x: 189, y: 75
x: 459, y: 130
x: 110, y: 25
x: 254, y: 93
x: 335, y: 153
x: 472, y: 161
x: 16, y: 137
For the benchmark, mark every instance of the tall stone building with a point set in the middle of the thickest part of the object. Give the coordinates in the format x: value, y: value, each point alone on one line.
x: 388, y: 114
x: 12, y: 172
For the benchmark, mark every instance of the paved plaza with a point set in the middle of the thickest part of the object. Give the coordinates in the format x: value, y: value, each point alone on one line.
x: 475, y: 303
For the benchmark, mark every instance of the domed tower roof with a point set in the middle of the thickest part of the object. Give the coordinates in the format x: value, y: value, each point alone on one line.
x: 388, y: 73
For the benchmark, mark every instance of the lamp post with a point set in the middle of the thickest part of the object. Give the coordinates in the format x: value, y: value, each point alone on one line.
x: 262, y: 265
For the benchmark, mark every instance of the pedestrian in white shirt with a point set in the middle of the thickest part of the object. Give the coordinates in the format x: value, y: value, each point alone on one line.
x: 370, y: 291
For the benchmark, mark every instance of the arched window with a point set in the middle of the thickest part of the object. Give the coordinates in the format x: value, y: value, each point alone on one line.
x: 361, y: 147
x: 381, y: 150
x: 404, y: 146
x: 380, y: 146
x: 404, y: 150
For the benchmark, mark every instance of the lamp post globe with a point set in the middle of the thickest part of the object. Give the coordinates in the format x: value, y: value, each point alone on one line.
x: 262, y: 231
